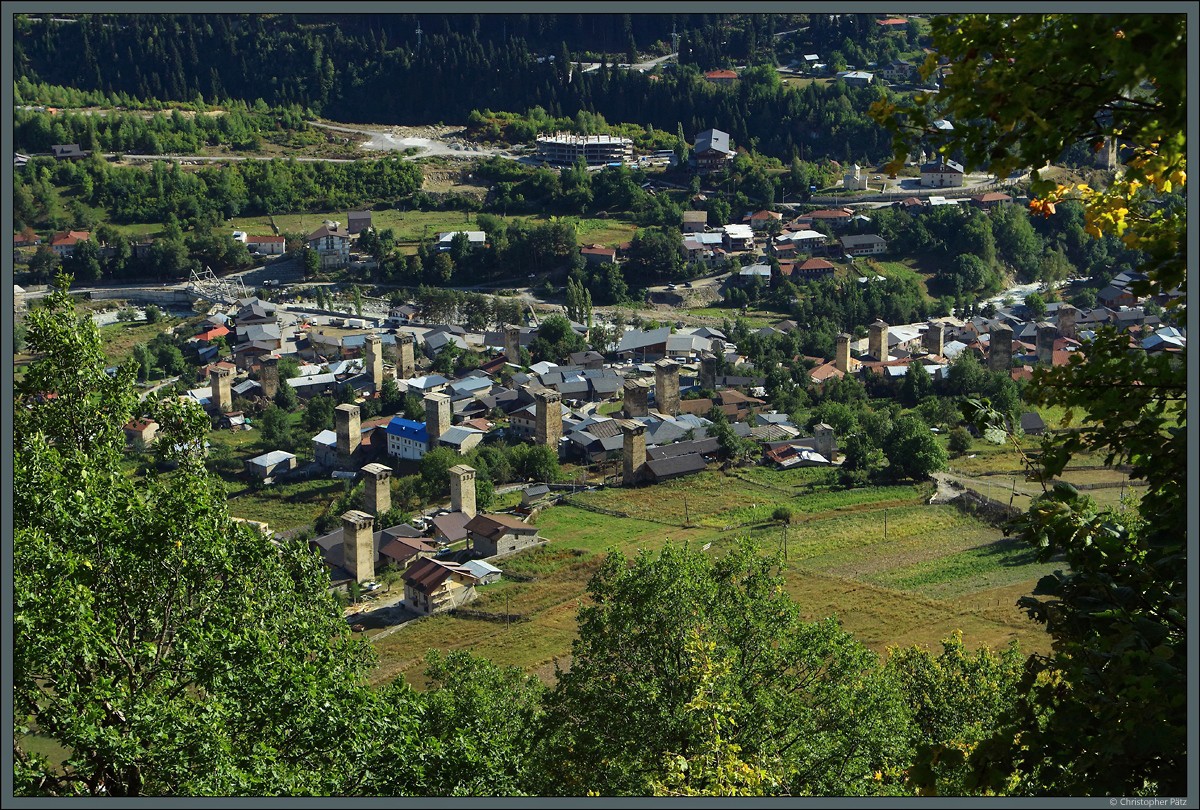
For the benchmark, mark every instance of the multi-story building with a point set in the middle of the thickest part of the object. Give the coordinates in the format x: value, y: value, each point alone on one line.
x: 563, y: 148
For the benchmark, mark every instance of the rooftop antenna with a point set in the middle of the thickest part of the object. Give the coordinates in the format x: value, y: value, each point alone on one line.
x: 418, y: 35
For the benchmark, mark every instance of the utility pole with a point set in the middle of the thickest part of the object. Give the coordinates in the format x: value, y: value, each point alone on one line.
x: 885, y: 524
x: 686, y: 519
x: 506, y: 625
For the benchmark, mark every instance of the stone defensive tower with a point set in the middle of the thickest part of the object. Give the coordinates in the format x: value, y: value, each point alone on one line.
x: 708, y: 371
x: 219, y: 380
x: 1066, y: 321
x: 549, y: 418
x: 635, y: 398
x: 348, y: 424
x: 824, y: 436
x: 377, y: 491
x: 437, y: 417
x: 633, y: 450
x: 406, y: 364
x: 462, y: 489
x: 933, y: 340
x: 1000, y: 349
x: 512, y: 344
x: 358, y: 545
x: 877, y: 341
x: 373, y: 360
x: 841, y: 354
x: 268, y: 375
x: 1046, y: 333
x: 666, y: 387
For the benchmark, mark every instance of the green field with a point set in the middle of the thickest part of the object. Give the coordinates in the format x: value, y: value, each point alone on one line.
x: 412, y: 226
x: 893, y: 569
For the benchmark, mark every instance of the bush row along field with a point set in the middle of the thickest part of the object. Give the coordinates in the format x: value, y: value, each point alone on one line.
x: 936, y: 570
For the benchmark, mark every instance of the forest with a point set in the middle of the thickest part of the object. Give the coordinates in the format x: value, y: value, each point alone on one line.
x: 364, y: 70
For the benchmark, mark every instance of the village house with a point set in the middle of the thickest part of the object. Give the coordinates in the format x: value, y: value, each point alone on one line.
x: 500, y: 534
x: 270, y: 464
x: 712, y: 152
x: 866, y: 245
x: 694, y: 221
x: 475, y: 239
x: 332, y: 244
x: 723, y: 77
x: 266, y: 245
x: 142, y: 430
x: 942, y: 174
x: 63, y: 242
x: 598, y: 254
x: 434, y: 586
x: 357, y: 222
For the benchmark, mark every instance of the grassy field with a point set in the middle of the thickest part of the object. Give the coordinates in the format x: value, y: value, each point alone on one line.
x: 416, y: 225
x: 893, y: 569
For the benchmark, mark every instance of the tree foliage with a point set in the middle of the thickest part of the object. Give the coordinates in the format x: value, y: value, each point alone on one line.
x: 803, y: 701
x: 166, y: 648
x: 1105, y: 712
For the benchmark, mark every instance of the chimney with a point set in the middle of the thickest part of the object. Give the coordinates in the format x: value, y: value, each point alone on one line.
x: 348, y: 424
x: 1000, y: 349
x: 666, y: 387
x: 635, y: 399
x: 377, y: 493
x: 268, y: 376
x: 218, y: 380
x: 462, y: 490
x: 406, y: 365
x: 373, y: 360
x: 358, y: 545
x: 437, y: 417
x: 877, y: 341
x: 841, y: 355
x: 549, y: 418
x: 512, y: 344
x: 633, y: 451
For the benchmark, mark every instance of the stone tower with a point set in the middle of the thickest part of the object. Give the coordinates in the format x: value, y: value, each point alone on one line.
x: 222, y: 398
x: 358, y: 545
x: 512, y: 344
x: 877, y: 341
x: 841, y: 354
x: 635, y: 399
x: 824, y: 436
x: 633, y: 450
x: 406, y: 364
x: 462, y: 489
x: 1000, y: 349
x: 268, y: 375
x: 1046, y: 333
x: 437, y: 417
x: 1066, y: 321
x: 666, y: 387
x: 934, y: 338
x: 708, y: 371
x: 377, y: 492
x: 373, y: 360
x: 549, y: 418
x: 347, y: 421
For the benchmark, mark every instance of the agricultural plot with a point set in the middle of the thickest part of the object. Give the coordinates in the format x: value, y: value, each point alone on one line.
x: 929, y: 571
